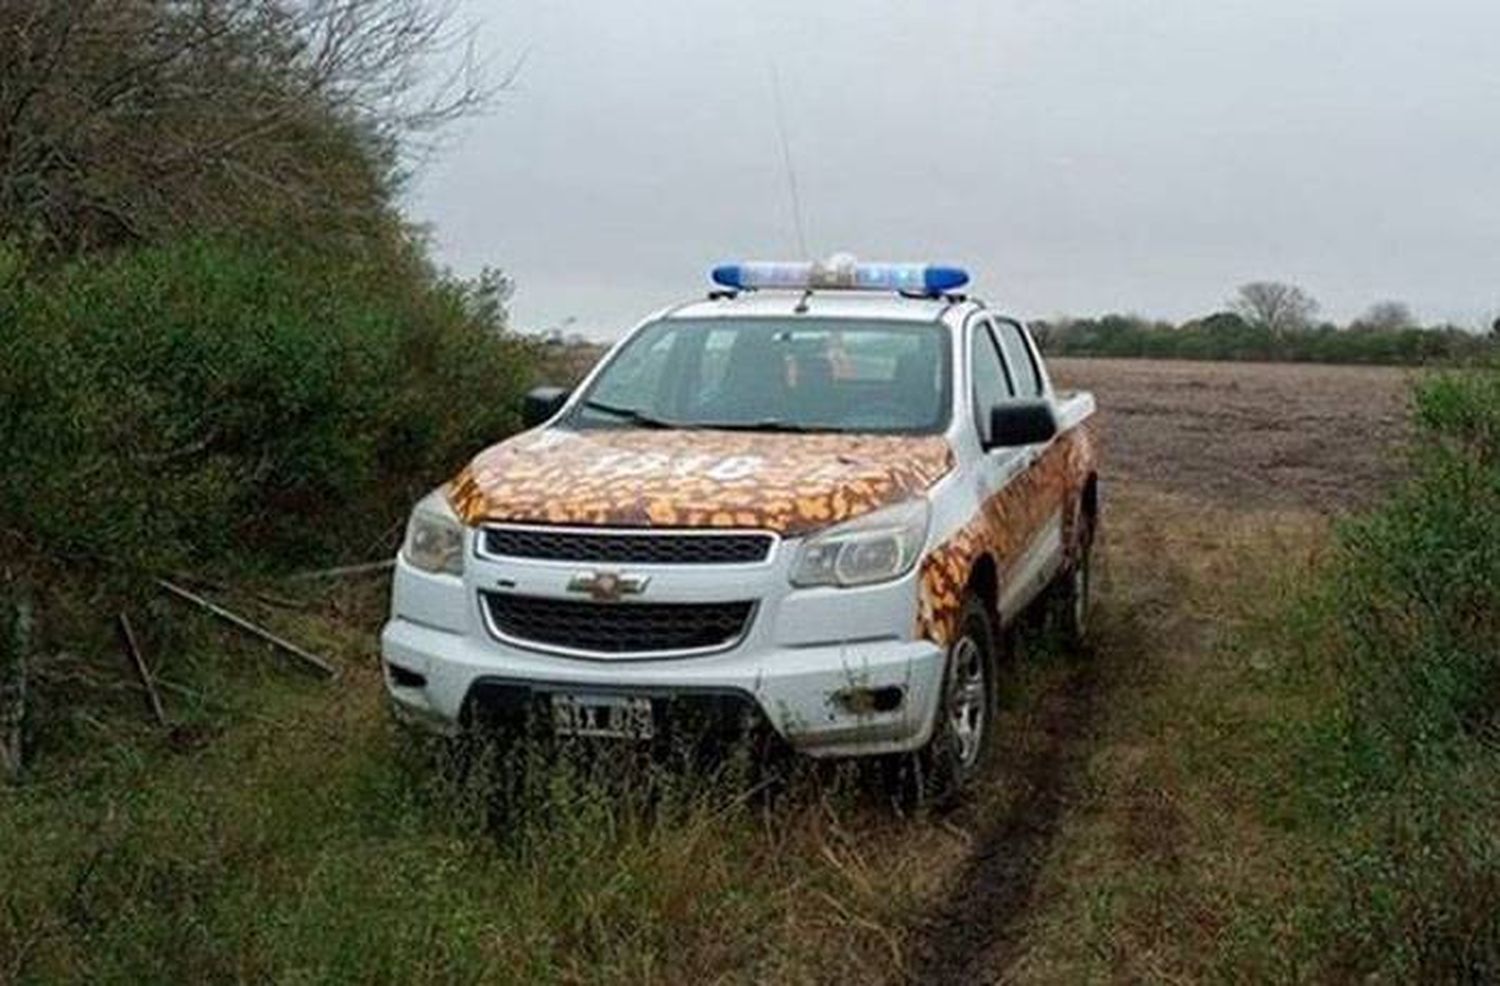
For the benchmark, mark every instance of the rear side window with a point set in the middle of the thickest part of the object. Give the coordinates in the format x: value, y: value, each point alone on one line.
x: 990, y: 384
x: 1023, y: 371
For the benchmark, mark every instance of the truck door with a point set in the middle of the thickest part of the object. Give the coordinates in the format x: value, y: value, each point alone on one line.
x: 1023, y: 508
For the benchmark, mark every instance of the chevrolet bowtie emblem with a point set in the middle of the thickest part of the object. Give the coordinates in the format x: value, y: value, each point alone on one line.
x: 608, y: 587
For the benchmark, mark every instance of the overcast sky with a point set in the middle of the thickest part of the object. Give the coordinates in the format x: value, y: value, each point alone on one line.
x: 1079, y: 156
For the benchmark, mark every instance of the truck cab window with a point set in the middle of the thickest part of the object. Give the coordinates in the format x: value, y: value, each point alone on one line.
x: 1023, y: 371
x: 988, y: 373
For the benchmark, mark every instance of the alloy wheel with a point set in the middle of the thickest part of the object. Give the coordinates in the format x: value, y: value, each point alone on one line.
x: 967, y: 700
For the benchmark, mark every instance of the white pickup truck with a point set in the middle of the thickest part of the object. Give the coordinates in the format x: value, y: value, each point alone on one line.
x: 809, y: 504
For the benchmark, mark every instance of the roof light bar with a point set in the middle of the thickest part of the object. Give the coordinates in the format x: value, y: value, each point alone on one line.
x: 841, y: 274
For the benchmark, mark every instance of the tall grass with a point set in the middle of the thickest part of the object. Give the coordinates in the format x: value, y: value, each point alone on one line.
x: 315, y: 845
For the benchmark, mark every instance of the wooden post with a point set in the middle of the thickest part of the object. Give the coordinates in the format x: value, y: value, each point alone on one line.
x: 15, y: 644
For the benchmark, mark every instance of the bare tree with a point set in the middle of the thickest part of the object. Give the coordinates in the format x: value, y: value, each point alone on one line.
x: 1281, y: 308
x: 124, y: 119
x: 1385, y: 316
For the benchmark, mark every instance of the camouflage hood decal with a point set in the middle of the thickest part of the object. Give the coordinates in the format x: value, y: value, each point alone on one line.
x: 791, y: 484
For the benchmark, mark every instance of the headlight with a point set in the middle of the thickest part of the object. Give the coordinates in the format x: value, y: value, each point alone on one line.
x: 875, y: 548
x: 434, y: 537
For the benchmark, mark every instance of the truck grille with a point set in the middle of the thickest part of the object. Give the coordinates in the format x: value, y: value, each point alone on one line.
x: 617, y: 628
x: 633, y: 548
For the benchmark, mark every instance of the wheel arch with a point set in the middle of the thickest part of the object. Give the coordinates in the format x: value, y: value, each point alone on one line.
x: 1089, y: 502
x: 984, y: 581
x: 1084, y: 517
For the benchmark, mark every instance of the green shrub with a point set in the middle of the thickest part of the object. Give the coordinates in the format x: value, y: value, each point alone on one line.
x: 1409, y: 767
x: 1419, y: 592
x: 210, y: 404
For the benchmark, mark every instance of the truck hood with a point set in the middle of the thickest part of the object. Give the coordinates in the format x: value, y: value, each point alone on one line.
x: 788, y: 483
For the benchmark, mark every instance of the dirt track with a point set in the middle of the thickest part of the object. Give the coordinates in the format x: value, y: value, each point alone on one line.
x: 1201, y: 461
x: 1248, y: 434
x: 977, y: 932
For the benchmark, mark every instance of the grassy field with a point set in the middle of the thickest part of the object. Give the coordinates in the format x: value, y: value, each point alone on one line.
x: 1161, y: 811
x: 289, y: 834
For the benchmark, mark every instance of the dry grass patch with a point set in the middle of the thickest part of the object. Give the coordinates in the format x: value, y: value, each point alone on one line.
x: 1166, y: 843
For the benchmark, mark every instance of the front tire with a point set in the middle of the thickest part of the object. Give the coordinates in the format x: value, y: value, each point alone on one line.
x: 962, y: 736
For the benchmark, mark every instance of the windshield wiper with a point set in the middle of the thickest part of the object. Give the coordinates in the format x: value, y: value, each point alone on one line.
x: 634, y: 415
x: 770, y: 424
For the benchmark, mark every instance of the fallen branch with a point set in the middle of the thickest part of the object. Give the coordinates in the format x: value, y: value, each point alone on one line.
x: 251, y: 628
x: 282, y: 602
x: 203, y: 582
x: 133, y: 651
x: 345, y: 571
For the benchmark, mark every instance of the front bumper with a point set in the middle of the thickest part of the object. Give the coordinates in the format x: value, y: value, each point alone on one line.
x: 801, y: 691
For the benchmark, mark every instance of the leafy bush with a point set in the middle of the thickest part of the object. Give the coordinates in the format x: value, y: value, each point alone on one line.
x: 1410, y: 614
x: 1420, y: 589
x: 210, y: 404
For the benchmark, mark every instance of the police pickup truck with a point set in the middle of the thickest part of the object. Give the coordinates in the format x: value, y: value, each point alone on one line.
x: 810, y: 504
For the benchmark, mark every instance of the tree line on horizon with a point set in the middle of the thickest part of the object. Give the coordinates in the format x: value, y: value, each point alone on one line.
x: 1271, y: 321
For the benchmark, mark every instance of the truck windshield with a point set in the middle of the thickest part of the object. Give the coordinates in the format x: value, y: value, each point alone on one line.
x: 770, y: 374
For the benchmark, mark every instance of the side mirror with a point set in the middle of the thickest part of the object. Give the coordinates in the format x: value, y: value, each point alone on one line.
x: 1019, y: 423
x: 541, y: 403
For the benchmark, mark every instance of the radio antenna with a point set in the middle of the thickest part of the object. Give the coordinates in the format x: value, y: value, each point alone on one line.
x: 786, y: 157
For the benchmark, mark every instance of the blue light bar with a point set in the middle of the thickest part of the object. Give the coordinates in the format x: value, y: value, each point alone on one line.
x: 841, y: 275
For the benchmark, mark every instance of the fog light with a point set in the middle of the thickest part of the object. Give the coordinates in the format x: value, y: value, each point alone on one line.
x: 866, y: 701
x: 403, y: 678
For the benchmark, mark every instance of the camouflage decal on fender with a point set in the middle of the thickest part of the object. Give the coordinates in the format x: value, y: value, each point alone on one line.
x: 790, y: 484
x: 1000, y: 528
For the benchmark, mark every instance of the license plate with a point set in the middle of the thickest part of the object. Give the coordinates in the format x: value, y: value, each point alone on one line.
x: 611, y: 716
